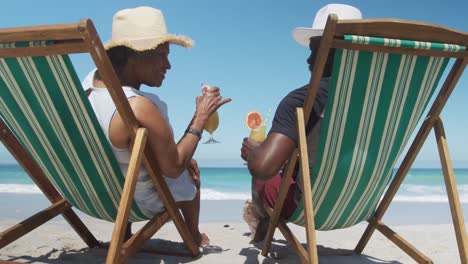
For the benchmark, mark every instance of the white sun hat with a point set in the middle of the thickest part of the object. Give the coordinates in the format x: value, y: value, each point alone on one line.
x: 303, y: 34
x: 142, y: 28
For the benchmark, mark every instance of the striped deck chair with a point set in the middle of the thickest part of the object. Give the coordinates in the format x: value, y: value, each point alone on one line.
x: 48, y: 125
x: 379, y: 90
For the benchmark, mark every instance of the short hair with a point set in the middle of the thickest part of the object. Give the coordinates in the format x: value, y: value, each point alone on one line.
x: 119, y: 57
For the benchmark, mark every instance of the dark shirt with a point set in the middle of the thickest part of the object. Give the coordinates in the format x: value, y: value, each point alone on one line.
x: 285, y: 122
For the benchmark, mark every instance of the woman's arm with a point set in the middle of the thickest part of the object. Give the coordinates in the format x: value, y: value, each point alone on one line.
x: 172, y: 158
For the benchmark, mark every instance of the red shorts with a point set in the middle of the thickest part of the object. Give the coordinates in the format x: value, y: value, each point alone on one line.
x: 269, y: 190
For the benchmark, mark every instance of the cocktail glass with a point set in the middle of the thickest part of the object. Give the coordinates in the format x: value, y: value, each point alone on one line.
x: 210, y: 126
x: 258, y: 134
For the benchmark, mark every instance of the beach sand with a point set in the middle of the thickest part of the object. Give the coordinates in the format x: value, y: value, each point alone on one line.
x: 426, y: 226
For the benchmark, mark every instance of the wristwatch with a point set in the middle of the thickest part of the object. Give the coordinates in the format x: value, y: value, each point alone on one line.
x: 193, y: 132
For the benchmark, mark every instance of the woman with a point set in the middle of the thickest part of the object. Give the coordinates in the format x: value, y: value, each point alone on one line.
x: 139, y: 52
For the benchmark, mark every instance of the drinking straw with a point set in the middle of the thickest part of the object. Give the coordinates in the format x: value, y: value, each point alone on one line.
x: 267, y: 116
x: 203, y: 85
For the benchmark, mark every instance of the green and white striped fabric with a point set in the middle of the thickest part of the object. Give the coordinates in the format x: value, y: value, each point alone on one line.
x: 375, y: 101
x: 43, y: 103
x: 412, y: 44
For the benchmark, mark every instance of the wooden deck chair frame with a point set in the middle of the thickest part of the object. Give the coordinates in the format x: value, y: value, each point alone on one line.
x: 333, y: 38
x: 82, y: 38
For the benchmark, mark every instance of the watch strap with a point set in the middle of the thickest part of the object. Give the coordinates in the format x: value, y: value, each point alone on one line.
x: 194, y: 132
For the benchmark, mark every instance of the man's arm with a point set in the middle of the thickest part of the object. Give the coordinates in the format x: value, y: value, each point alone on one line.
x: 265, y: 160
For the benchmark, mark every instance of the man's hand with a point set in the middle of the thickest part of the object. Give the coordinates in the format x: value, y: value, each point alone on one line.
x: 247, y: 147
x: 266, y: 159
x: 194, y: 171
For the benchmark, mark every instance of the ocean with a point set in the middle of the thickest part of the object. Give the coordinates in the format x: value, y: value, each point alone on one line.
x: 420, y: 185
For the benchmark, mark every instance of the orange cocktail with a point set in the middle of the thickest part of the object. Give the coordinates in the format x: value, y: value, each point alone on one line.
x: 258, y: 134
x: 213, y: 121
x: 254, y: 121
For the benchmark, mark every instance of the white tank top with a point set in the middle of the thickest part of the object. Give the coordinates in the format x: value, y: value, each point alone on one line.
x: 182, y: 187
x: 105, y: 109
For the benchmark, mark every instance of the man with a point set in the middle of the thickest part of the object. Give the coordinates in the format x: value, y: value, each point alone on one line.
x: 265, y: 160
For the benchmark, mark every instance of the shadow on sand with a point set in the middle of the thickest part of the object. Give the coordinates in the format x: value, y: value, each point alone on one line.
x: 280, y: 252
x: 154, y: 251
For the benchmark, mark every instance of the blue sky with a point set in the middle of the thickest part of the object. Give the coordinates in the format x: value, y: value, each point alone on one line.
x: 245, y: 47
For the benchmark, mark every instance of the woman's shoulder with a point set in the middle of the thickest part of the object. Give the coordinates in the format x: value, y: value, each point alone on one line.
x: 160, y: 104
x: 134, y: 92
x: 143, y: 106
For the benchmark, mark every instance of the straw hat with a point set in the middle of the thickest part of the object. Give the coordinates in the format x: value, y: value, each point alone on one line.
x: 142, y: 28
x: 303, y: 34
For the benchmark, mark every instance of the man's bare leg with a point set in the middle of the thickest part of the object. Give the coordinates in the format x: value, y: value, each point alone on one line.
x: 263, y: 217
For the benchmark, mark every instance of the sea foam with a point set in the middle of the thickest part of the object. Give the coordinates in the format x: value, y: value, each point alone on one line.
x: 407, y: 193
x: 19, y: 188
x: 210, y: 194
x: 206, y: 194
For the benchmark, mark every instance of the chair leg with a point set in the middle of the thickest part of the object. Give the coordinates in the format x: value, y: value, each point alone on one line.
x: 37, y: 175
x: 171, y: 207
x: 293, y: 242
x: 421, y: 136
x: 75, y: 222
x: 454, y: 201
x: 32, y: 222
x: 404, y: 245
x: 275, y: 216
x: 452, y: 192
x: 307, y: 190
x: 312, y: 254
x: 128, y: 191
x: 365, y: 238
x: 131, y: 246
x: 396, y: 182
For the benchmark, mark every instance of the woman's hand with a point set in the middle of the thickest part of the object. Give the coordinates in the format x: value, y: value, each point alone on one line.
x: 209, y: 102
x: 194, y: 171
